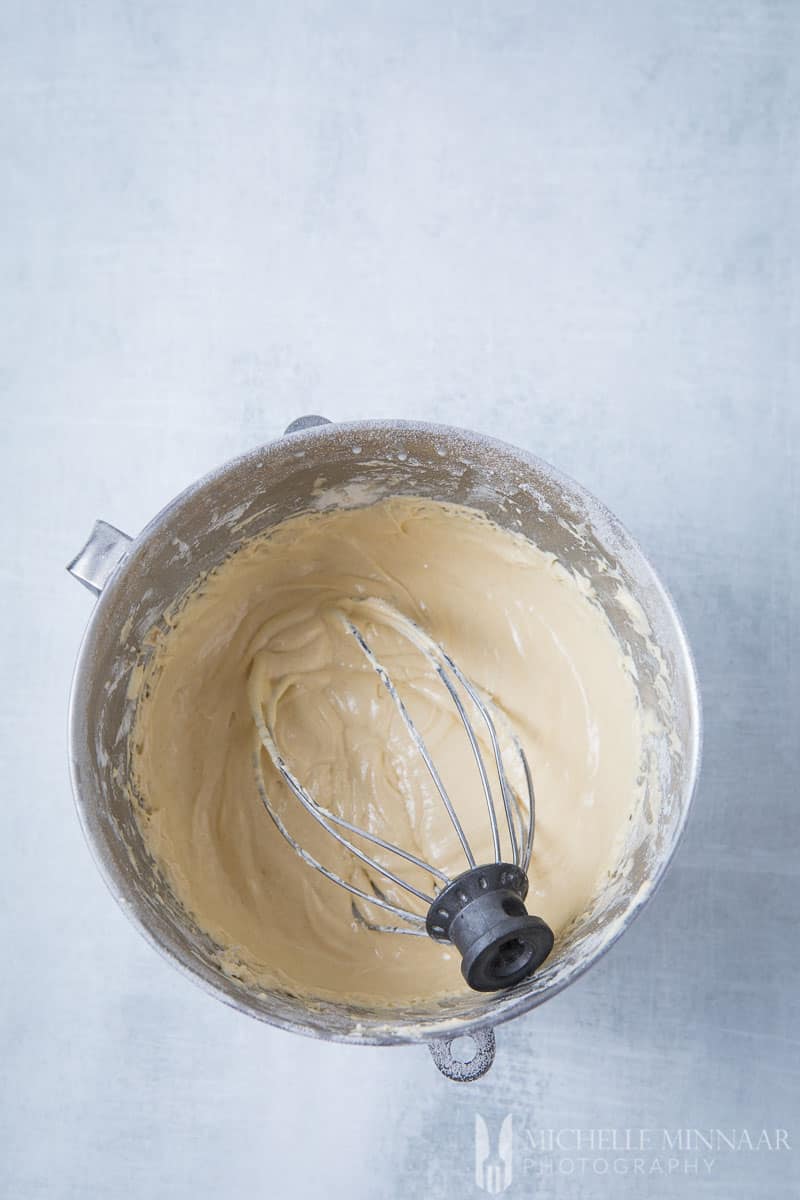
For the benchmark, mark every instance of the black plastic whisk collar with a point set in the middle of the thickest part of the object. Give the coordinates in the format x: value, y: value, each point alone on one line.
x: 483, y: 914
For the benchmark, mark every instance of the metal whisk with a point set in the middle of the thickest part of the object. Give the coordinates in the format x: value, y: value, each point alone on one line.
x: 481, y: 911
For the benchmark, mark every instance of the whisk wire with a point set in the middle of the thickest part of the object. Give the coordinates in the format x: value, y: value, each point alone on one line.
x: 416, y: 736
x: 448, y: 672
x: 501, y: 773
x: 308, y: 858
x: 531, y: 806
x: 329, y: 821
x: 442, y: 663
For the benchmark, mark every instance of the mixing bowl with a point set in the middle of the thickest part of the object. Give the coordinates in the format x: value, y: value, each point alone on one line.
x: 318, y: 465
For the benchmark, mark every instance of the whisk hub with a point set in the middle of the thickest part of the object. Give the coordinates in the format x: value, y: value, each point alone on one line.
x: 482, y: 912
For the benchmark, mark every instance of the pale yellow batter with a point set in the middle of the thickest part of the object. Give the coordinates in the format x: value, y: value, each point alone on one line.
x: 519, y: 625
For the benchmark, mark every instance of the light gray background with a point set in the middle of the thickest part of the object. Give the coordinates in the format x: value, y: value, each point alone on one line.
x: 570, y: 225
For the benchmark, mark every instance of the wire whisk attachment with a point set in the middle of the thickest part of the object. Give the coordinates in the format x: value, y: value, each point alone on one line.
x: 480, y: 910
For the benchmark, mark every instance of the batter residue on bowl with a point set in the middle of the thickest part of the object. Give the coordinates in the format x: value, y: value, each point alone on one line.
x: 520, y: 625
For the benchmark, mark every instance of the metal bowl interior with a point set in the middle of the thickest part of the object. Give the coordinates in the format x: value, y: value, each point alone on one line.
x: 347, y: 465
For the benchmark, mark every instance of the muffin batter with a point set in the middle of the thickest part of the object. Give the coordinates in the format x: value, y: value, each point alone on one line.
x: 520, y: 626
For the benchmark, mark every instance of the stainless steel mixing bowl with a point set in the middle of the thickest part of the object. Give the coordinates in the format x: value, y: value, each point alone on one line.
x: 317, y: 465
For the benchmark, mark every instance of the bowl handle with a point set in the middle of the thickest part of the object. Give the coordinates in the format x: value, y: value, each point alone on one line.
x: 464, y: 1072
x: 307, y: 422
x: 105, y: 547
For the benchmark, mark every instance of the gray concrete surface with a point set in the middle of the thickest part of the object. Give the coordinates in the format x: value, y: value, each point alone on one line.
x: 571, y: 225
